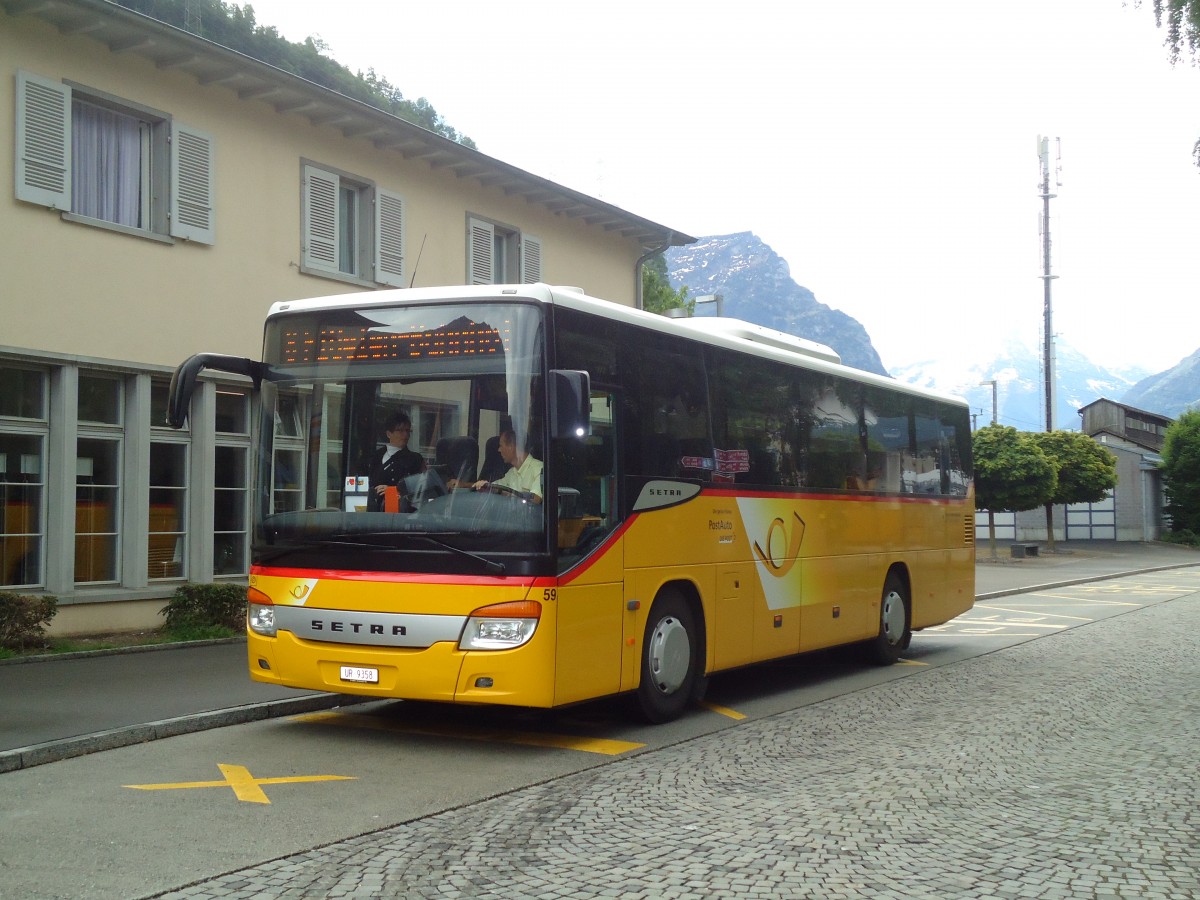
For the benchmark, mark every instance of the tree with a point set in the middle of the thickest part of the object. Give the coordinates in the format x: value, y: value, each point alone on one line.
x: 657, y: 294
x: 1086, y: 471
x: 1011, y: 473
x: 234, y: 26
x: 1181, y: 472
x: 1182, y: 18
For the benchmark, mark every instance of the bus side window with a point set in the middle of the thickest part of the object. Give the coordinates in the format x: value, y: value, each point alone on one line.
x: 587, y: 483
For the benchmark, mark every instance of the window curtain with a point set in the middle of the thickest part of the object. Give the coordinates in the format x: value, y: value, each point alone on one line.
x: 106, y: 151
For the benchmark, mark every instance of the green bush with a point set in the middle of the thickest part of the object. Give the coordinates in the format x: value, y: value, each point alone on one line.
x: 23, y: 619
x: 1183, y: 536
x: 198, y: 606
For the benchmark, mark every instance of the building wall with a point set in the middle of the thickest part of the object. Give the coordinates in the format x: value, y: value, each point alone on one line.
x: 78, y: 275
x: 86, y: 305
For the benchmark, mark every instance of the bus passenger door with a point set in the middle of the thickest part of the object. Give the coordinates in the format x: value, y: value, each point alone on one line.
x: 589, y: 602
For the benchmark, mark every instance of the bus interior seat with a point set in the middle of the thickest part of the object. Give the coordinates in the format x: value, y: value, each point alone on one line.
x: 494, y: 465
x: 660, y: 456
x: 456, y: 457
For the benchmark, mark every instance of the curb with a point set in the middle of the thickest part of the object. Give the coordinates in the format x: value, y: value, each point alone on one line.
x: 55, y: 751
x: 118, y: 651
x: 1051, y: 585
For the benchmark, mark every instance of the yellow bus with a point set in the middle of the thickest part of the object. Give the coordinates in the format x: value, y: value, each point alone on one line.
x: 704, y: 494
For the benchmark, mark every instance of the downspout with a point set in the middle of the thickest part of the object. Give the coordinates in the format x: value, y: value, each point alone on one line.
x: 637, y: 270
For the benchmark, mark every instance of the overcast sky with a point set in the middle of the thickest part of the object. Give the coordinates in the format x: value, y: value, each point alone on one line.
x: 886, y: 150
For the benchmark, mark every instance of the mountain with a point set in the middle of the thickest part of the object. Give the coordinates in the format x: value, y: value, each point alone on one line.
x: 757, y: 286
x: 1020, y: 386
x: 1168, y: 393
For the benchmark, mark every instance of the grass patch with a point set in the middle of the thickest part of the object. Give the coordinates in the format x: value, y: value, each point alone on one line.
x: 123, y: 639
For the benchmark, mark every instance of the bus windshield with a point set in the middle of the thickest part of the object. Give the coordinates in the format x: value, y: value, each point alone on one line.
x: 403, y: 438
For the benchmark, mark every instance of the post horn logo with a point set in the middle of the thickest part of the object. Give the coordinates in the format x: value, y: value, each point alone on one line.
x: 300, y: 591
x: 788, y: 559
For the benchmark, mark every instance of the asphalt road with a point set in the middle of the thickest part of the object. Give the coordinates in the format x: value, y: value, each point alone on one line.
x: 1041, y: 745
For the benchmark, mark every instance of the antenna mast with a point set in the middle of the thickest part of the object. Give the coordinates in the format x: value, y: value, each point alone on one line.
x: 1048, y: 336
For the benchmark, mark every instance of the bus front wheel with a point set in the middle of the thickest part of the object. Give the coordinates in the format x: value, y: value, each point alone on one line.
x: 894, y: 634
x: 668, y: 660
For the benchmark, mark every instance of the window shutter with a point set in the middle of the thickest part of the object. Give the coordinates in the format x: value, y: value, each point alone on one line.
x: 531, y: 259
x: 481, y: 244
x: 43, y: 141
x: 192, y: 185
x: 389, y: 238
x: 320, y: 220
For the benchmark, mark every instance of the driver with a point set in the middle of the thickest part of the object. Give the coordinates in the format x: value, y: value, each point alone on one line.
x: 525, y: 476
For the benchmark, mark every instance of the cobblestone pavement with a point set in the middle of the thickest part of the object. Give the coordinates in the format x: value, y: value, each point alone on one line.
x: 1064, y: 767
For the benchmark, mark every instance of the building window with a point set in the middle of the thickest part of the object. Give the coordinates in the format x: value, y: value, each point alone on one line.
x: 97, y: 509
x: 99, y: 400
x: 287, y: 476
x: 111, y: 153
x: 168, y: 510
x: 98, y: 451
x: 497, y: 254
x: 167, y: 548
x: 232, y: 486
x: 22, y: 486
x: 352, y: 229
x: 104, y: 160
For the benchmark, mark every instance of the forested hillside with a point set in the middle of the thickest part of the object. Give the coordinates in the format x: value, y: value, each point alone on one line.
x: 234, y: 26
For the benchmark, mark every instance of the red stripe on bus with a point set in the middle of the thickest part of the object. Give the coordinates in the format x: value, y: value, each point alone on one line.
x: 599, y: 551
x: 726, y: 493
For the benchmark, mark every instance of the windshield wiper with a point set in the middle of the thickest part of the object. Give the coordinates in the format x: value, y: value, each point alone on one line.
x: 489, y: 566
x: 337, y: 540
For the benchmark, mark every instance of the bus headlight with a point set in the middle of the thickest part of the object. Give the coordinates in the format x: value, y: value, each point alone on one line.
x: 501, y: 627
x: 260, y: 616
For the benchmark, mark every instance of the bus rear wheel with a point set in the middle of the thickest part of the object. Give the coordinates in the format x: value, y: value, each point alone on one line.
x: 894, y: 634
x: 669, y: 660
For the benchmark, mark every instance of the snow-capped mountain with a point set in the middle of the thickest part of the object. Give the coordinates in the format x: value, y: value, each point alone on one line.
x: 757, y: 286
x: 1169, y: 393
x: 1020, y: 385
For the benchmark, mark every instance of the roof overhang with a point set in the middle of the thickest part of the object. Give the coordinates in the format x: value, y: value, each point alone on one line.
x: 167, y: 47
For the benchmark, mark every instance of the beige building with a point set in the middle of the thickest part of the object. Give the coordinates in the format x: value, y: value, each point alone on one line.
x: 164, y: 192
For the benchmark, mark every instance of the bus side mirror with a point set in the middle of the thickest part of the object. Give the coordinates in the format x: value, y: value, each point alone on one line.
x: 570, y: 404
x: 183, y: 381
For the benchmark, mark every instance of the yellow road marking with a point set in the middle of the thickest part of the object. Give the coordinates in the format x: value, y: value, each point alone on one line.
x: 1091, y: 599
x: 722, y: 710
x: 910, y: 662
x: 1026, y: 612
x: 603, y: 746
x: 246, y: 787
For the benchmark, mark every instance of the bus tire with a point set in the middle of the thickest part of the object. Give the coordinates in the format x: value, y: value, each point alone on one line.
x: 894, y: 633
x: 669, y: 660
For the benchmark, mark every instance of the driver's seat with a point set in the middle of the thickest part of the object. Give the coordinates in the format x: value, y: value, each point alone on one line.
x: 456, y: 458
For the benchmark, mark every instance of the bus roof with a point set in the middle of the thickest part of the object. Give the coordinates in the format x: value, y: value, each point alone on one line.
x: 733, y: 334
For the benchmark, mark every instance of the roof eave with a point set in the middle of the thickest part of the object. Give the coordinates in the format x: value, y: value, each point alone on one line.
x: 168, y: 47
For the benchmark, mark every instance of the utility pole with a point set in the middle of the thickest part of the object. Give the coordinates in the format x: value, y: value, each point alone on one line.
x: 994, y: 405
x: 1048, y: 336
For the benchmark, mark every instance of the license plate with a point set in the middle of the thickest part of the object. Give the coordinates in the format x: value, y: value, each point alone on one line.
x: 360, y: 674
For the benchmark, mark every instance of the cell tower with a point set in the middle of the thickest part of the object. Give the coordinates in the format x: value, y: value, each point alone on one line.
x: 1048, y: 329
x: 192, y: 17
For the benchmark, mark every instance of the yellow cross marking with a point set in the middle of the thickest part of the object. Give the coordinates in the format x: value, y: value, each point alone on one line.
x: 722, y: 710
x: 246, y: 787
